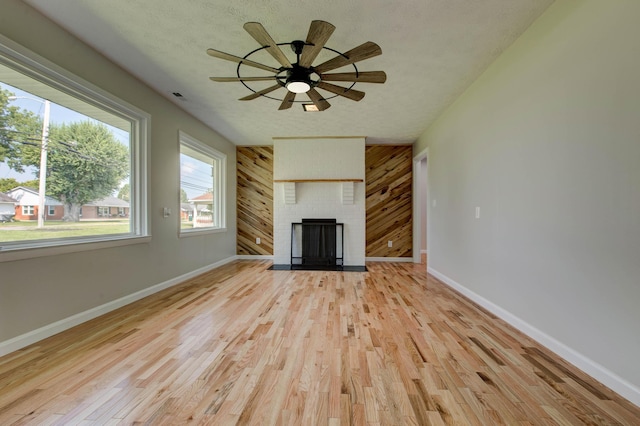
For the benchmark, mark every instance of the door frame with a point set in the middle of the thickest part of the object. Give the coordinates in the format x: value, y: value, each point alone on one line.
x: 417, y: 219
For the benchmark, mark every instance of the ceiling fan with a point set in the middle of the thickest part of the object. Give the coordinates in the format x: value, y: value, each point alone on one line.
x: 302, y: 76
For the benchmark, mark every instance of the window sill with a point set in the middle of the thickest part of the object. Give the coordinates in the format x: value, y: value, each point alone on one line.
x: 8, y: 254
x: 201, y: 231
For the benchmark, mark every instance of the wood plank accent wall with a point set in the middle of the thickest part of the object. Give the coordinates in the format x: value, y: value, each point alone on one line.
x: 389, y: 207
x: 255, y: 200
x: 388, y: 200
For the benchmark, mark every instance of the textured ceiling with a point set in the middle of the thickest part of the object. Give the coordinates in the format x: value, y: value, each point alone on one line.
x: 432, y: 51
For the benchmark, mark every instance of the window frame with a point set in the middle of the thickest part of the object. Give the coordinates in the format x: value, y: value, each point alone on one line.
x: 28, y: 210
x: 30, y: 64
x: 219, y: 185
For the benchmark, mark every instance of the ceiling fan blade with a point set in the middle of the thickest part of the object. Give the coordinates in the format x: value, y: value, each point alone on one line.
x: 360, y: 77
x: 364, y: 51
x: 257, y: 31
x: 227, y: 79
x: 232, y: 58
x: 318, y: 100
x: 354, y: 95
x: 287, y: 102
x: 319, y: 33
x: 260, y: 93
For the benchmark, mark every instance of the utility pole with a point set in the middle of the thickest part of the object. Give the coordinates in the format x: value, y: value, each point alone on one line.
x: 42, y: 188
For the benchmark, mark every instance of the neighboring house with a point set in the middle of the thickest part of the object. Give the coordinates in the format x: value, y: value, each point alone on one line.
x: 202, y: 209
x: 7, y: 207
x: 108, y: 207
x: 28, y: 201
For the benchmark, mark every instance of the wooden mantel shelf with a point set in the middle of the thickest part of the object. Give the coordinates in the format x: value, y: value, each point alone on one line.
x: 318, y: 180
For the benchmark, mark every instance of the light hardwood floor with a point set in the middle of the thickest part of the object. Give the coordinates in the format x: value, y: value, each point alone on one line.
x: 244, y: 345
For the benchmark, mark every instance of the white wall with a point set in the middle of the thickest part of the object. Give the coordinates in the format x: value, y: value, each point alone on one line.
x: 547, y: 144
x: 35, y: 293
x: 323, y: 158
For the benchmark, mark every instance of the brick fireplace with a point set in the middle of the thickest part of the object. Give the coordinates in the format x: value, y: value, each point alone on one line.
x: 320, y: 178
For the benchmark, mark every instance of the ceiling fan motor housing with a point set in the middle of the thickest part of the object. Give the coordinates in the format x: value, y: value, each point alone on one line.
x: 299, y: 80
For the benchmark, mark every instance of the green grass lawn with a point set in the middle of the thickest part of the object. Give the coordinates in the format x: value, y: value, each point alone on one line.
x: 24, y: 231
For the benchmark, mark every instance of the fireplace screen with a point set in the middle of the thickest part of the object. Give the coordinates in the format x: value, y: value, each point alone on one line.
x: 317, y: 243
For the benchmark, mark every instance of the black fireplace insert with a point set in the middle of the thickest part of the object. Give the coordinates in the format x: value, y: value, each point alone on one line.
x: 317, y: 243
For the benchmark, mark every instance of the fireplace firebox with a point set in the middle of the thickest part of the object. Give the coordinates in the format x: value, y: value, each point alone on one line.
x: 317, y: 244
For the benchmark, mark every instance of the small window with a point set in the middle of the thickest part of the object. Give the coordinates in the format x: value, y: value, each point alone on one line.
x: 71, y: 145
x: 202, y: 198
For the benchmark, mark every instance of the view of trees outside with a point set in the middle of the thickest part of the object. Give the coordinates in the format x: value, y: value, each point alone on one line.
x: 7, y: 184
x: 87, y: 162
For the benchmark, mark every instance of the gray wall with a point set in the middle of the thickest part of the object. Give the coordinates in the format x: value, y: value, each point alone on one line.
x: 37, y: 292
x: 547, y: 144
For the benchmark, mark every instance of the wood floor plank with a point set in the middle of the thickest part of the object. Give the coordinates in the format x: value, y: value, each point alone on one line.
x: 245, y: 345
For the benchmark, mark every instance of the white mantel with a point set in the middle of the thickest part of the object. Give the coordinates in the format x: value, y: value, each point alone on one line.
x: 325, y: 177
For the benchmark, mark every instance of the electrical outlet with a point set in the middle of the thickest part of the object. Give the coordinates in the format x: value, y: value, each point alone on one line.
x: 258, y: 240
x: 390, y: 243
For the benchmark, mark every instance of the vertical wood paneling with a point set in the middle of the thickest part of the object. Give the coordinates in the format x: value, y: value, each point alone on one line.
x: 255, y: 200
x: 389, y: 203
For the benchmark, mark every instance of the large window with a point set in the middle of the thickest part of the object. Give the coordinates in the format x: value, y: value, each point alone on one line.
x: 202, y: 173
x: 64, y: 142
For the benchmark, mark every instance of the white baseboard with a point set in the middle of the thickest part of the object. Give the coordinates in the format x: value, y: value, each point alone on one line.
x: 254, y: 257
x: 592, y: 368
x: 49, y: 330
x: 388, y: 259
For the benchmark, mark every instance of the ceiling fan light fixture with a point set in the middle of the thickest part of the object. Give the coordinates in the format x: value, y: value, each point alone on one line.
x: 298, y: 86
x: 298, y: 80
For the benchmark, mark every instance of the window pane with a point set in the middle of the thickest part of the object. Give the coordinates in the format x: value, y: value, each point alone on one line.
x: 196, y: 180
x: 81, y: 160
x: 200, y: 186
